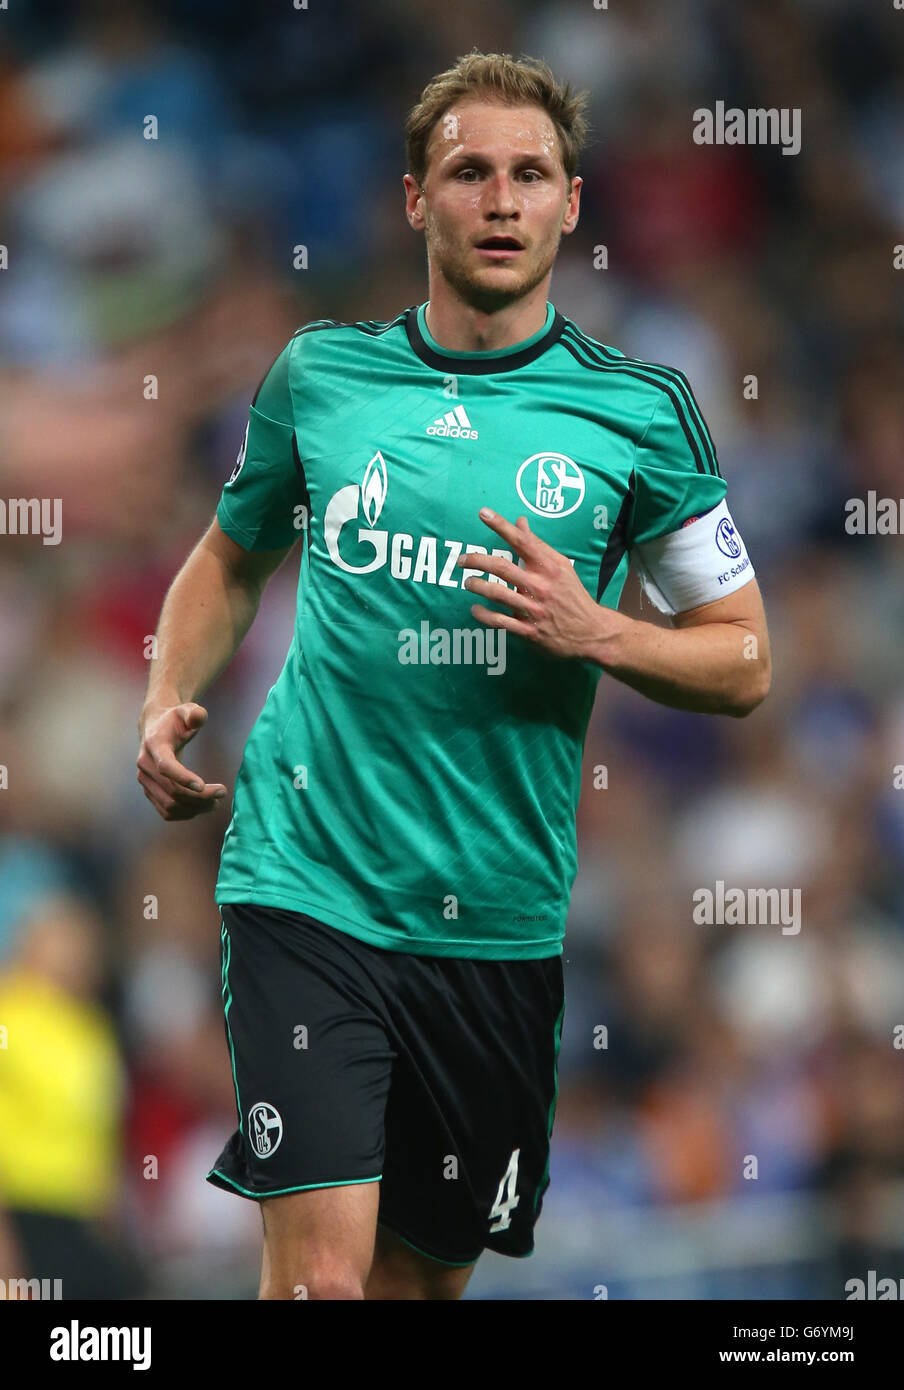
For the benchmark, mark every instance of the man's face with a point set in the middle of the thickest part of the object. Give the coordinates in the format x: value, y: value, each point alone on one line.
x: 493, y: 172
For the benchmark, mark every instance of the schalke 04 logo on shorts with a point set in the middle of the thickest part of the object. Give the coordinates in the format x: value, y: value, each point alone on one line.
x: 264, y: 1128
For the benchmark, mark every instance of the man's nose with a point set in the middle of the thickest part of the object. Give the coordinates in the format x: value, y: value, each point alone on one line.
x: 502, y: 196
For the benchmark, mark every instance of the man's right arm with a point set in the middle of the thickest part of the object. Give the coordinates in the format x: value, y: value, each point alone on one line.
x: 209, y: 608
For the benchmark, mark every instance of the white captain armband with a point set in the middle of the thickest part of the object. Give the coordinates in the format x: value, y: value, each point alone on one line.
x: 702, y: 561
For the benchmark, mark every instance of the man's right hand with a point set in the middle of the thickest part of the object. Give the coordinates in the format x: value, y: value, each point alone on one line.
x: 174, y: 791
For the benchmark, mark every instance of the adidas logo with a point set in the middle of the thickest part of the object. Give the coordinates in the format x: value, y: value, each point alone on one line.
x: 453, y: 425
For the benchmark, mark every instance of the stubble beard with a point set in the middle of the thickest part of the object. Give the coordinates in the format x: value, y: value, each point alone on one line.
x: 477, y: 292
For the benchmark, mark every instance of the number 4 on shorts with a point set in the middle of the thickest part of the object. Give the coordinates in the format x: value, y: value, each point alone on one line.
x: 506, y: 1198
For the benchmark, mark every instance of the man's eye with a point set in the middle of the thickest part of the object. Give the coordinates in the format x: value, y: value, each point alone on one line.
x: 531, y: 174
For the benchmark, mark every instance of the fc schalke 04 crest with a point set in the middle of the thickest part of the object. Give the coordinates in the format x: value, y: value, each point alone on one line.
x: 550, y: 484
x: 264, y: 1128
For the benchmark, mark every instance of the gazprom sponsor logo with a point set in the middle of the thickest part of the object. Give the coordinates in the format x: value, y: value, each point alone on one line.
x: 358, y: 549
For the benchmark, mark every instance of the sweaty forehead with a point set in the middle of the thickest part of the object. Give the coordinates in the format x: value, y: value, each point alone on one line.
x: 491, y: 128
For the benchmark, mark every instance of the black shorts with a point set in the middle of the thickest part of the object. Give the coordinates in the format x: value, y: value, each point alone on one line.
x: 436, y: 1076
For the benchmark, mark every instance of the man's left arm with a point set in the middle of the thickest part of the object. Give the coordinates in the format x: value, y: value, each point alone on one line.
x: 714, y: 660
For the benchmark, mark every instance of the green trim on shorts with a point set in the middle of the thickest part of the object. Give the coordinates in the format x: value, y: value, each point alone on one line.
x: 456, y: 1264
x: 226, y: 947
x: 544, y: 1181
x: 281, y: 1192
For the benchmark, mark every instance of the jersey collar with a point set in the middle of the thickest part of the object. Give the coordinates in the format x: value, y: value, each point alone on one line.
x: 472, y: 363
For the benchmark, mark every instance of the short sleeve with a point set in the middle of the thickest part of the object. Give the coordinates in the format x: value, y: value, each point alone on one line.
x: 681, y: 536
x: 676, y: 475
x: 259, y: 505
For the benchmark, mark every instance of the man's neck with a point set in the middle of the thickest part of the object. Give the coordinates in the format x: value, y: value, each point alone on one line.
x: 459, y: 327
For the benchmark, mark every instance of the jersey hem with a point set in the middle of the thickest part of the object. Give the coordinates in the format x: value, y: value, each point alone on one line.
x: 390, y: 941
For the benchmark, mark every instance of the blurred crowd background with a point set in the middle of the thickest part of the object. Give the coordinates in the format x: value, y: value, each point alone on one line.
x: 173, y: 258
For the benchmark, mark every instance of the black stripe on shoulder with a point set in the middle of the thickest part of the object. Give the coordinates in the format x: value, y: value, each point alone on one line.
x: 375, y: 327
x: 316, y: 325
x: 671, y: 374
x: 372, y: 327
x: 704, y: 427
x: 305, y: 494
x: 257, y: 389
x: 651, y: 380
x: 617, y: 543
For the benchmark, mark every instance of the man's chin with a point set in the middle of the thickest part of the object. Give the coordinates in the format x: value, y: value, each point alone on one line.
x: 494, y: 286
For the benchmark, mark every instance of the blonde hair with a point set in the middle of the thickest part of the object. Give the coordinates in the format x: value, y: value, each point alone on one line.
x: 498, y: 77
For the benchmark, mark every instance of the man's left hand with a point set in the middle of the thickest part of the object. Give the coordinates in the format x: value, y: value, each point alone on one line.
x: 550, y: 604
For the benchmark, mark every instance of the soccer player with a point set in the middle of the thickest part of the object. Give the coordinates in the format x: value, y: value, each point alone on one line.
x: 469, y: 481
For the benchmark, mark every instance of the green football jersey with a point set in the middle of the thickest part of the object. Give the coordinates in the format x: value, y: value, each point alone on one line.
x: 413, y: 777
